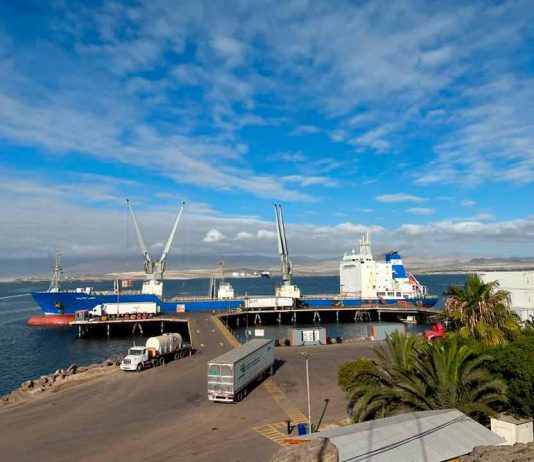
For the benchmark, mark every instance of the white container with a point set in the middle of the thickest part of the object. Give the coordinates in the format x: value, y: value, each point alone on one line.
x: 166, y: 343
x: 115, y: 309
x: 269, y: 302
x: 230, y: 373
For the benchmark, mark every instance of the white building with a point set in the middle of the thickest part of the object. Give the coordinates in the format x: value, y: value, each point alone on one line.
x: 520, y: 284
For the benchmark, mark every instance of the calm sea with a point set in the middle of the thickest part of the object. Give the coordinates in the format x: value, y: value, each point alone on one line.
x: 29, y: 352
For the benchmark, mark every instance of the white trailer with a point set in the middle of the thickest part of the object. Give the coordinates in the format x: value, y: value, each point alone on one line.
x: 155, y: 352
x: 120, y: 309
x: 231, y: 373
x: 269, y: 302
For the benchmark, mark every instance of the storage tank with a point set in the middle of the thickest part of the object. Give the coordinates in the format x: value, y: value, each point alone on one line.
x: 166, y: 343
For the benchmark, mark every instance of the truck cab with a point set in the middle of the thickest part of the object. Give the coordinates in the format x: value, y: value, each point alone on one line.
x: 136, y: 359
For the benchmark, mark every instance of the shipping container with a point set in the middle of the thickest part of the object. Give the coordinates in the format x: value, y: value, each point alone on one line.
x: 269, y: 302
x: 379, y: 332
x: 311, y: 336
x: 231, y: 373
x: 122, y: 308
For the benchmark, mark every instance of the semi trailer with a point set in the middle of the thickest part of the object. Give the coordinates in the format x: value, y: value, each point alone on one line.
x: 230, y: 374
x: 124, y: 308
x: 156, y: 352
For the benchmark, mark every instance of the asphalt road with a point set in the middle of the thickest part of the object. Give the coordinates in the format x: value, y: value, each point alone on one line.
x: 163, y: 414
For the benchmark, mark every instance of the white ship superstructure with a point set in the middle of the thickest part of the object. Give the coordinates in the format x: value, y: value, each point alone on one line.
x: 361, y: 276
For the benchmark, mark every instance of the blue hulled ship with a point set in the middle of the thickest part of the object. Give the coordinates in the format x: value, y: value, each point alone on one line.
x: 363, y: 281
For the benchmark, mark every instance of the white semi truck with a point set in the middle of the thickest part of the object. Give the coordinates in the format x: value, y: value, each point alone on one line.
x: 156, y: 352
x: 118, y: 309
x: 230, y: 374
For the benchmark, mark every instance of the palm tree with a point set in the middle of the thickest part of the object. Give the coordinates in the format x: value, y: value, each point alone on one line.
x: 482, y: 310
x: 410, y: 375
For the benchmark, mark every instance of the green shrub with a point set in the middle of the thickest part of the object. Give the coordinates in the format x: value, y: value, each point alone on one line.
x: 515, y: 364
x: 349, y: 370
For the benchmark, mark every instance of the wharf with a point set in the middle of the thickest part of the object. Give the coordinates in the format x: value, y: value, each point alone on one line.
x: 376, y: 313
x: 150, y: 326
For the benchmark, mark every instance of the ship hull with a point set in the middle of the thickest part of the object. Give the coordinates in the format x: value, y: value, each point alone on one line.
x: 67, y: 303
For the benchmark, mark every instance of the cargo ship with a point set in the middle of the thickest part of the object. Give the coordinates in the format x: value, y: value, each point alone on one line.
x: 363, y: 281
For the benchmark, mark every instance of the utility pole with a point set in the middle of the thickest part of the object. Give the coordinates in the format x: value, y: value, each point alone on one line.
x: 306, y: 356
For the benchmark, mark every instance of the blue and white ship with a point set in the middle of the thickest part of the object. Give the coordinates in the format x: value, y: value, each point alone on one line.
x: 363, y: 281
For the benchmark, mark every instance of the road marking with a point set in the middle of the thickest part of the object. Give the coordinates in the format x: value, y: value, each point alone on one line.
x: 276, y: 432
x: 284, y: 402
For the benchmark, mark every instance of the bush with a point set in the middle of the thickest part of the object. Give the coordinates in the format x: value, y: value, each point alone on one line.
x: 349, y: 370
x: 514, y: 363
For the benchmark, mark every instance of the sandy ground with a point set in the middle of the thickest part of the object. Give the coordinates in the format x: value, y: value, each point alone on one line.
x: 164, y: 414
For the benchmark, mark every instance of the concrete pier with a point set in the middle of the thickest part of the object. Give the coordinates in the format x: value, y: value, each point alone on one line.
x: 131, y: 327
x: 372, y: 313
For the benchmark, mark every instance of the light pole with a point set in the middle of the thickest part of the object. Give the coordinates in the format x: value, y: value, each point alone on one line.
x: 308, y: 389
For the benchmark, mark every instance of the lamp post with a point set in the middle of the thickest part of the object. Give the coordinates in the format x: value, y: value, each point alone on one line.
x: 306, y: 356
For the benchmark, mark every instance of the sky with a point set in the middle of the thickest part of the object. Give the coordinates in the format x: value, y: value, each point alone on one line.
x: 411, y: 119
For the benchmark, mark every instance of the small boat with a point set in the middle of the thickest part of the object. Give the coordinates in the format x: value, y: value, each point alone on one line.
x: 410, y: 319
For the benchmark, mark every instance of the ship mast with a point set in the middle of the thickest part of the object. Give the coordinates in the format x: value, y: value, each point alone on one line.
x: 365, y: 245
x: 56, y: 275
x: 282, y: 245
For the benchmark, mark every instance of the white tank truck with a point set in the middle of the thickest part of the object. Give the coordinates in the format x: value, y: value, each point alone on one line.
x: 156, y: 352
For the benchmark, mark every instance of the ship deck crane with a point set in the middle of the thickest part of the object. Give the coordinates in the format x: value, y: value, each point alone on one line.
x: 154, y: 269
x: 287, y: 289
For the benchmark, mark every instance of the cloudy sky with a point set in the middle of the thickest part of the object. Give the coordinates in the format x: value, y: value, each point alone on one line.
x: 414, y: 119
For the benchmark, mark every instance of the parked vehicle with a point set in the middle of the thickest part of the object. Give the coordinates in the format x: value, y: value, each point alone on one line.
x: 156, y: 352
x: 121, y: 309
x: 230, y: 374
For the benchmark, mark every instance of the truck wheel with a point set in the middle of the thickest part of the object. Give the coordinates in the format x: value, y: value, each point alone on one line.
x: 162, y: 362
x: 139, y: 367
x: 155, y: 363
x: 177, y: 355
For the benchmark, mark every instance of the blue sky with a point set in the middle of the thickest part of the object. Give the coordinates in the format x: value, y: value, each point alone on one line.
x: 413, y: 119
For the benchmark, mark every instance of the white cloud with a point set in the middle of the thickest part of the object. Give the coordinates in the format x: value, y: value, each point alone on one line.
x: 468, y: 203
x: 266, y: 234
x: 243, y: 235
x: 421, y: 210
x: 213, y: 236
x: 349, y: 229
x: 519, y: 230
x: 401, y: 197
x: 305, y: 181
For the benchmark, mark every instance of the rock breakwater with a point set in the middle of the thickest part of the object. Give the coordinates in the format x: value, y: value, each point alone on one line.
x: 32, y: 389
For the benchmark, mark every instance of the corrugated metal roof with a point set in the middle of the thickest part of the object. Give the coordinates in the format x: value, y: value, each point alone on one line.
x: 431, y: 436
x: 230, y: 357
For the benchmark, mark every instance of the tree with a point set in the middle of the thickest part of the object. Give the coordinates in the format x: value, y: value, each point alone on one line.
x: 483, y: 311
x: 514, y: 364
x: 411, y: 375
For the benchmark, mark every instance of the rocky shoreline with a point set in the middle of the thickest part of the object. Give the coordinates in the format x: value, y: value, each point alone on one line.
x: 33, y: 389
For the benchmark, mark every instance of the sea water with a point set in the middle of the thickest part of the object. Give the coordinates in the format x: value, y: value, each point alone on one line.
x: 29, y: 352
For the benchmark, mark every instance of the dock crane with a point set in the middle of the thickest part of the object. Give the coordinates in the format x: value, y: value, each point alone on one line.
x: 287, y: 289
x: 154, y: 269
